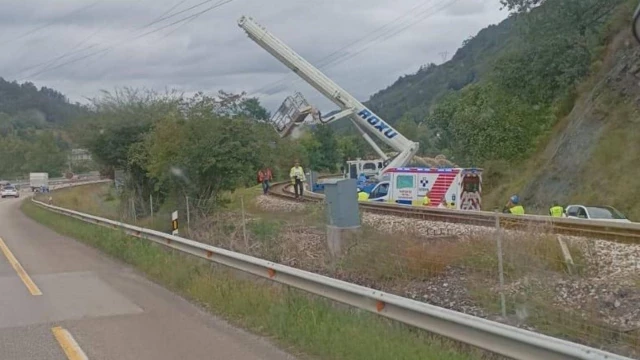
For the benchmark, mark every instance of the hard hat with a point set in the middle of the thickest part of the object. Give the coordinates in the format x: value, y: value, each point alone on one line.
x: 515, y: 199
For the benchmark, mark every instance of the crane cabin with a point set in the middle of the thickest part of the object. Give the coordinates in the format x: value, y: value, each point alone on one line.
x: 407, y: 186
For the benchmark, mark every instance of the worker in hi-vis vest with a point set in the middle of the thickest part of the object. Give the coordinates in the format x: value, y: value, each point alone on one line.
x: 362, y: 195
x: 297, y: 179
x: 556, y: 210
x: 513, y: 206
x: 426, y: 201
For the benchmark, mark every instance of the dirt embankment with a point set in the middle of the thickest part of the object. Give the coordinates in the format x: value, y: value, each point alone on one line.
x: 581, y: 156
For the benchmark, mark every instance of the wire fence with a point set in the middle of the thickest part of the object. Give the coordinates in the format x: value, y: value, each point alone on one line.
x: 574, y: 288
x: 581, y: 290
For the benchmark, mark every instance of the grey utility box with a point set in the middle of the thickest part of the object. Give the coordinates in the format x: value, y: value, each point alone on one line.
x: 342, y: 203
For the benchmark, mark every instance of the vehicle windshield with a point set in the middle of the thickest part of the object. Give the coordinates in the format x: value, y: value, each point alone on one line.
x: 605, y: 213
x: 9, y: 188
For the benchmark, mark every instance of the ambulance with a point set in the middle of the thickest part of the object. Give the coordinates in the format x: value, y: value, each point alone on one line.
x: 407, y: 186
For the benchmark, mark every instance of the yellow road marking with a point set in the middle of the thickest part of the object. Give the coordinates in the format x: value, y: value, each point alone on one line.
x: 68, y: 344
x: 33, y: 289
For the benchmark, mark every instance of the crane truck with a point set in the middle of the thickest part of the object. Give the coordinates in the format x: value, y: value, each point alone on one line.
x: 296, y: 109
x: 397, y: 184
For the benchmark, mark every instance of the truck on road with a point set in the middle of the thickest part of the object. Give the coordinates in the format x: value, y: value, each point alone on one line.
x: 39, y: 181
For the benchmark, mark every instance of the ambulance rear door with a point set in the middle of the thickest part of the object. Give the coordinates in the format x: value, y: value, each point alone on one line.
x: 405, y: 189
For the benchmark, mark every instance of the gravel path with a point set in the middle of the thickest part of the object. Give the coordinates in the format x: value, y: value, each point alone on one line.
x: 610, y: 286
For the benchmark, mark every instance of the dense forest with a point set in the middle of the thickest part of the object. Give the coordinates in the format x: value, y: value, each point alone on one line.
x: 32, y: 136
x: 506, y: 86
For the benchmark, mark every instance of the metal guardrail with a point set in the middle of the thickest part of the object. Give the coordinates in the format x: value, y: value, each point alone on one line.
x: 492, y: 336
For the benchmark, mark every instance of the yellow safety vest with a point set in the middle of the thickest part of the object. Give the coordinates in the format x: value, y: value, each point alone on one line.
x: 297, y: 171
x: 517, y: 210
x: 556, y: 211
x: 363, y: 196
x: 426, y: 201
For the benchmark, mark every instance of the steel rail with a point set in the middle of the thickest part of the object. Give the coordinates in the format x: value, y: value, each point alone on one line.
x: 628, y: 233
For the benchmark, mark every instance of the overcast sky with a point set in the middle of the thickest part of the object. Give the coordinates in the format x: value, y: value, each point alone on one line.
x: 82, y: 46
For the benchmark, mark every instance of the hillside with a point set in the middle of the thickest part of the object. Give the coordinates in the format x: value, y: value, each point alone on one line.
x: 546, y: 101
x: 32, y: 129
x: 413, y: 95
x: 591, y: 155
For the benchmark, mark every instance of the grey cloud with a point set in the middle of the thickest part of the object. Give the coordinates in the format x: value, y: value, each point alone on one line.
x: 471, y: 7
x: 212, y: 52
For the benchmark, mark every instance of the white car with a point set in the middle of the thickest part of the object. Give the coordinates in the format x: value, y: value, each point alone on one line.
x: 600, y: 213
x: 9, y: 191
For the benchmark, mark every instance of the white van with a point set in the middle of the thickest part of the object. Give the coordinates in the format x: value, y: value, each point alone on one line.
x: 408, y: 186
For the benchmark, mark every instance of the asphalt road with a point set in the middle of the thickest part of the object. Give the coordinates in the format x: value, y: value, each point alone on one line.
x: 71, y: 299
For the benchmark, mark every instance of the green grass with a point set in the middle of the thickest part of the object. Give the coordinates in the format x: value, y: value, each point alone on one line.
x: 302, y: 323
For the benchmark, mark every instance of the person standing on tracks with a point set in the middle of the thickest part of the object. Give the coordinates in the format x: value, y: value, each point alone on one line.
x: 265, y: 176
x: 513, y: 206
x: 556, y: 210
x: 297, y: 179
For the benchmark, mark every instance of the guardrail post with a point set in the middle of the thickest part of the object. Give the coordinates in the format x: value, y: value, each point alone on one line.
x: 188, y: 213
x: 503, y: 306
x: 174, y: 223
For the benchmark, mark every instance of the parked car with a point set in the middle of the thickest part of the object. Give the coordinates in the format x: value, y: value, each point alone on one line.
x: 600, y: 213
x: 9, y: 191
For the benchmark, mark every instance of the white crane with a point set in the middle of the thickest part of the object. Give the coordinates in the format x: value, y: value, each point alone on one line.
x: 295, y: 109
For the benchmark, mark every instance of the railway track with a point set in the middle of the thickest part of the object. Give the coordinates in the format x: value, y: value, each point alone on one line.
x: 628, y: 233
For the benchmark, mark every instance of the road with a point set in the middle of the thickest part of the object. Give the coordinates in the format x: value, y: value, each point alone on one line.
x: 60, y: 299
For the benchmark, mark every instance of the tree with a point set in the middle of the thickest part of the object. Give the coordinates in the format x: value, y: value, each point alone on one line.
x: 321, y: 148
x: 485, y: 123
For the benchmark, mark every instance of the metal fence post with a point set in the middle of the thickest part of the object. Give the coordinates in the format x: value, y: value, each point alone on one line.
x: 133, y: 210
x: 244, y: 226
x: 188, y: 214
x: 151, y: 205
x: 503, y: 305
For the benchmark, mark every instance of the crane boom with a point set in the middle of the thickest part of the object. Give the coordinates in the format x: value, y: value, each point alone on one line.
x: 360, y: 114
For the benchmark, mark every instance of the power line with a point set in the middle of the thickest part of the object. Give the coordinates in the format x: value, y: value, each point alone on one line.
x: 162, y: 17
x: 47, y: 69
x: 378, y: 39
x: 50, y: 64
x: 73, y: 50
x: 346, y: 56
x: 32, y: 31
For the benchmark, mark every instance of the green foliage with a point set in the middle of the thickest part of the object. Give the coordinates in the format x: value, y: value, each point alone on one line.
x: 171, y: 145
x: 505, y: 87
x: 51, y: 106
x: 31, y: 129
x: 321, y: 149
x: 413, y: 95
x: 484, y: 122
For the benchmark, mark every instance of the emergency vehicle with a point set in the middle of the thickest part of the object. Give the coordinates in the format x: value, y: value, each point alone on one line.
x: 408, y: 186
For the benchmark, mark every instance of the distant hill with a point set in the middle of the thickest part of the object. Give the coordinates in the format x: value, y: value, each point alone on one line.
x: 45, y: 106
x: 414, y: 94
x: 33, y: 125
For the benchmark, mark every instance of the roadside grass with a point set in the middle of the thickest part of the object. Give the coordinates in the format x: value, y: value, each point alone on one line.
x: 531, y: 258
x: 97, y: 199
x: 303, y: 323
